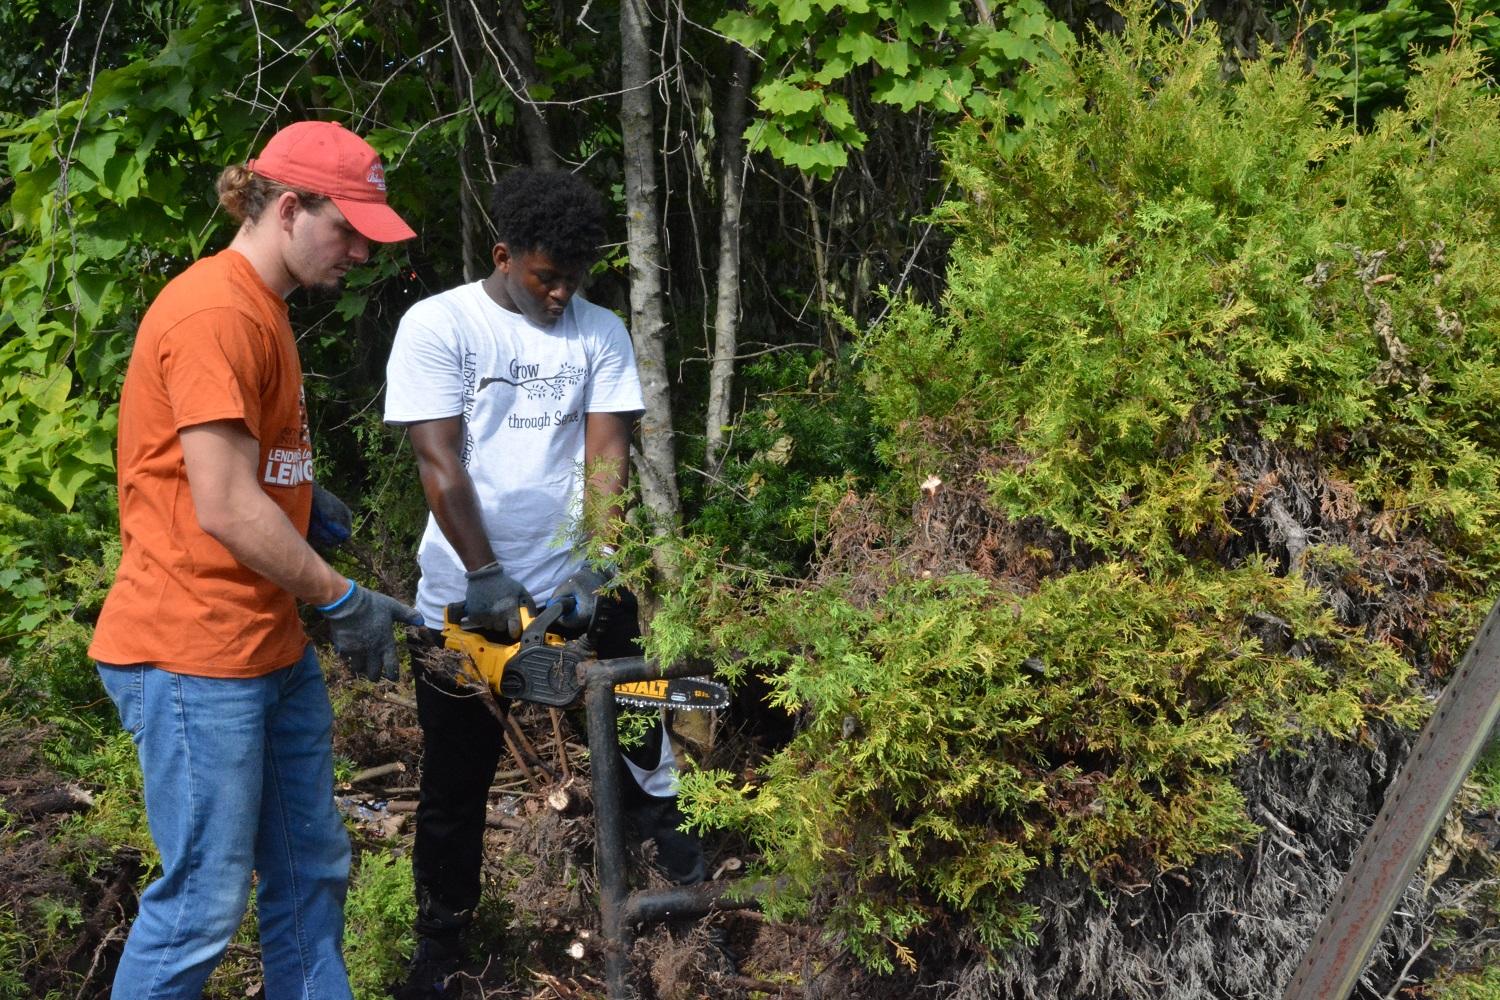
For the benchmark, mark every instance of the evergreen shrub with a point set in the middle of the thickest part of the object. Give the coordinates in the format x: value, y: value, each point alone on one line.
x: 1196, y: 462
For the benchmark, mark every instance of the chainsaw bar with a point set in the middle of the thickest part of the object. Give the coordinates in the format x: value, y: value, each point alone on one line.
x: 692, y: 694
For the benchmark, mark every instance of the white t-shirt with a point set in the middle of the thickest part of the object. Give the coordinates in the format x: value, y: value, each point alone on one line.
x: 523, y: 391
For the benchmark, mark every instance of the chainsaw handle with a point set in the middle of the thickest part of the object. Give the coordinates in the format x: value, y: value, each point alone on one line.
x: 534, y: 625
x: 538, y: 626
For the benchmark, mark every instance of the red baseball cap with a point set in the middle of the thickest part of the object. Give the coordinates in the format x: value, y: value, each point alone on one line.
x: 326, y: 158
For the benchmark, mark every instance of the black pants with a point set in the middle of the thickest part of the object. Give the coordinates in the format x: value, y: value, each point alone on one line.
x: 461, y: 747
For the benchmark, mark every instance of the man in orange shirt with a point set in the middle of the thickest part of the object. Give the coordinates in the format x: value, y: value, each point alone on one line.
x: 199, y: 643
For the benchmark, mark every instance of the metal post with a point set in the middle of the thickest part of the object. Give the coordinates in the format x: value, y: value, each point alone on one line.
x: 1414, y: 806
x: 609, y: 832
x: 619, y: 913
x: 689, y: 901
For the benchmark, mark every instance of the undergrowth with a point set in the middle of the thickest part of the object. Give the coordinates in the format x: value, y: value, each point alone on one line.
x: 378, y: 920
x: 1194, y: 464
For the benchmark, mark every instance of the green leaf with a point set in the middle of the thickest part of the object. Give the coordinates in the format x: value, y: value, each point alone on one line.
x: 32, y: 195
x: 123, y: 174
x: 895, y: 56
x: 837, y: 114
x: 859, y: 46
x: 749, y: 30
x: 777, y: 97
x: 99, y: 247
x: 95, y: 151
x: 176, y: 95
x: 91, y: 290
x: 936, y: 13
x: 50, y: 392
x: 793, y: 11
x: 818, y: 158
x: 351, y: 304
x: 68, y: 478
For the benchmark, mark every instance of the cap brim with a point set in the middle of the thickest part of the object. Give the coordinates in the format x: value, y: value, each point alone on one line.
x: 375, y: 220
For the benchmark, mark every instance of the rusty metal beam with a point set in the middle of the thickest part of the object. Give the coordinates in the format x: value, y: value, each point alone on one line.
x: 1414, y: 807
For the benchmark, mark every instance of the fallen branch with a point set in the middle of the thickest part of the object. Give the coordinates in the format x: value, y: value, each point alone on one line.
x: 533, y: 758
x: 503, y: 822
x: 378, y: 771
x: 67, y: 799
x: 396, y: 699
x: 515, y: 754
x: 562, y: 747
x: 757, y: 985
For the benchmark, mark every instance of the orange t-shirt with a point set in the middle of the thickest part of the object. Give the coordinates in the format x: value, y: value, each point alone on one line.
x: 215, y: 345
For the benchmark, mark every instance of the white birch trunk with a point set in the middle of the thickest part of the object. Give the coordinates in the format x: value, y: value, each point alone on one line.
x: 727, y: 306
x: 656, y: 461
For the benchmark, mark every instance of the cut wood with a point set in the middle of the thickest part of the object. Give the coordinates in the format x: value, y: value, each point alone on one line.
x: 500, y: 821
x: 569, y: 798
x: 64, y: 799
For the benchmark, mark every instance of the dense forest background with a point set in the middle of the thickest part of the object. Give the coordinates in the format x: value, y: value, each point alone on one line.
x: 1070, y: 427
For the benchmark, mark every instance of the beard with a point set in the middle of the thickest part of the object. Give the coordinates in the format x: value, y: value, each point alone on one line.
x: 324, y: 281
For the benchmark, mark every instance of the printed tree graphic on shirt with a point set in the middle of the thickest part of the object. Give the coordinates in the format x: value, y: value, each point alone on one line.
x: 542, y: 386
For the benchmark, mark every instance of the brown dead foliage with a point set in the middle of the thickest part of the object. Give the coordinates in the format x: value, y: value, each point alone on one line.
x: 953, y: 527
x: 1288, y: 503
x: 1377, y: 568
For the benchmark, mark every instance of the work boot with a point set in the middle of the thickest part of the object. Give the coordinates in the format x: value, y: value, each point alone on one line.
x: 433, y: 965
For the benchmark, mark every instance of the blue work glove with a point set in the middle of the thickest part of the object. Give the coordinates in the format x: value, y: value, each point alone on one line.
x: 360, y: 626
x: 582, y: 591
x: 492, y: 600
x: 330, y: 524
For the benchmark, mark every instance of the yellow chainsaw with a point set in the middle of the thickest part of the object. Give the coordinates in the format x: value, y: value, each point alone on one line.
x: 542, y: 666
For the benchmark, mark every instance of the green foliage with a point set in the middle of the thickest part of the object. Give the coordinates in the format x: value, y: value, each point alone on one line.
x: 378, y: 920
x: 1483, y: 985
x: 926, y: 55
x: 810, y: 423
x: 1173, y: 259
x: 99, y: 192
x: 14, y: 941
x: 1368, y: 54
x: 1487, y: 776
x: 1172, y: 271
x: 954, y: 740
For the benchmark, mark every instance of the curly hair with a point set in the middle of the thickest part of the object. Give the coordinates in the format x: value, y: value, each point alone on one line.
x: 245, y: 195
x: 551, y: 211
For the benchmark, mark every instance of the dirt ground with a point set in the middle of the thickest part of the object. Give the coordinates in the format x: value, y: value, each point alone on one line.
x: 540, y: 887
x: 538, y: 927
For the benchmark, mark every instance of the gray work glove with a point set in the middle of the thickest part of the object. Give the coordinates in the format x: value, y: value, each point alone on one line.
x: 492, y: 600
x: 582, y: 591
x: 330, y: 524
x: 360, y: 626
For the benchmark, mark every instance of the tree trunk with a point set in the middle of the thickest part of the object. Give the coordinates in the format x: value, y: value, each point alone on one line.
x: 727, y: 306
x: 656, y: 461
x: 468, y: 226
x: 539, y: 145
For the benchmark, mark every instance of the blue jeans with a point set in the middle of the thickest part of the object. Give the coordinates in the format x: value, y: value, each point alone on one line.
x: 239, y: 777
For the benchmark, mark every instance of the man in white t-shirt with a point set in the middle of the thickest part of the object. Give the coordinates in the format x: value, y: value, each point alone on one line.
x: 510, y: 388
